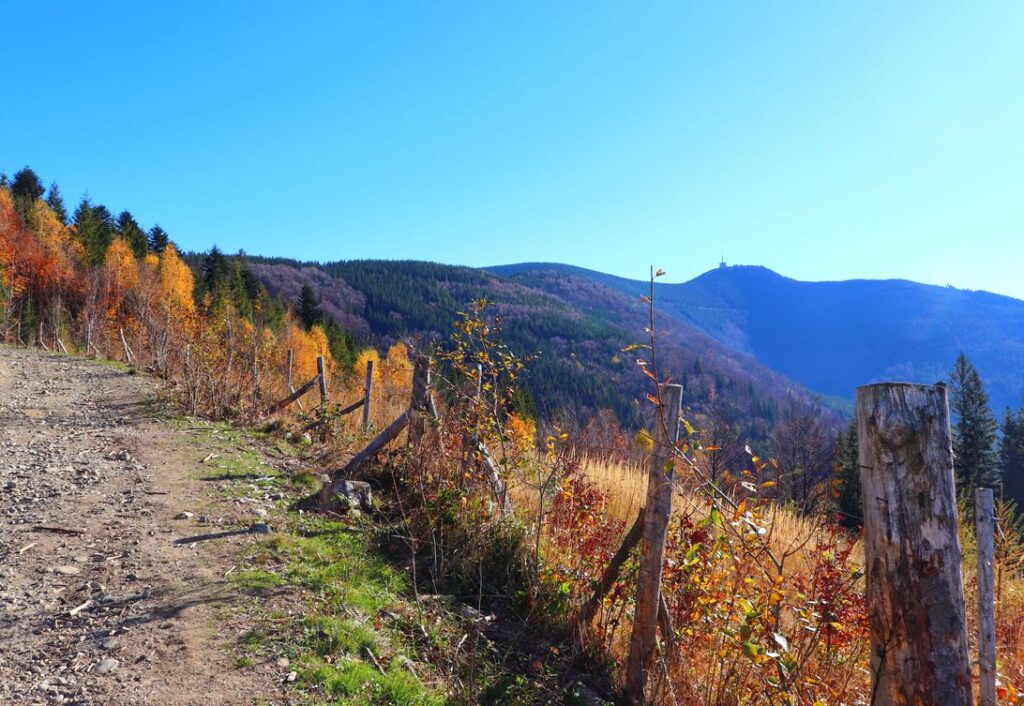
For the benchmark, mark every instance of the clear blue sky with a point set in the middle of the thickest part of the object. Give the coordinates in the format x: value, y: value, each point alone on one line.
x: 876, y: 139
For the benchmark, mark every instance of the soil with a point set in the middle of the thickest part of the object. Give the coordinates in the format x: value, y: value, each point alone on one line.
x: 105, y: 597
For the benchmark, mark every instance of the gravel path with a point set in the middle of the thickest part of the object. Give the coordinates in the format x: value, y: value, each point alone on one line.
x: 114, y: 609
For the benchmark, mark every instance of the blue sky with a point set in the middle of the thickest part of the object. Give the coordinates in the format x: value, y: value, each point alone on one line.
x: 826, y: 141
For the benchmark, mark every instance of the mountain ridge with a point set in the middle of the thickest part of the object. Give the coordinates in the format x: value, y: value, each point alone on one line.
x: 833, y: 336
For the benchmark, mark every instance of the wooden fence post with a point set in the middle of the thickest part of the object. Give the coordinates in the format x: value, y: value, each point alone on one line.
x: 418, y: 407
x: 367, y: 393
x: 912, y: 554
x: 322, y: 373
x: 657, y: 510
x: 985, y: 521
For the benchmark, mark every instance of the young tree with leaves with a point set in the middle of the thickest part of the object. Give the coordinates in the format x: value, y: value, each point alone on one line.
x: 974, y: 429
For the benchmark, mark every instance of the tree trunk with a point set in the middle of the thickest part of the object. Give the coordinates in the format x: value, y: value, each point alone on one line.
x: 657, y: 511
x: 919, y: 652
x: 984, y: 519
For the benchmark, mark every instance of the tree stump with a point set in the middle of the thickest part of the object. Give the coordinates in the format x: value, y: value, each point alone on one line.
x: 912, y: 551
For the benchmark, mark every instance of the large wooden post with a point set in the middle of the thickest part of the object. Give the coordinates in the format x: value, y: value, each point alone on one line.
x: 657, y: 510
x: 919, y: 650
x: 984, y: 520
x: 322, y: 374
x: 418, y: 407
x: 367, y: 393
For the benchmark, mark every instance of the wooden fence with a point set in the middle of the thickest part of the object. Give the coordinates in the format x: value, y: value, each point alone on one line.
x: 320, y: 381
x: 913, y: 558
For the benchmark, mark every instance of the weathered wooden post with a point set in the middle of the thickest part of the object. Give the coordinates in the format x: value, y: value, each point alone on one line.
x: 367, y: 393
x: 915, y: 596
x: 984, y: 521
x: 322, y: 373
x: 657, y: 510
x: 418, y: 407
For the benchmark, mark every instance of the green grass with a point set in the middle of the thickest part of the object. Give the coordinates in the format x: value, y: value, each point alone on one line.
x: 350, y: 644
x: 320, y: 593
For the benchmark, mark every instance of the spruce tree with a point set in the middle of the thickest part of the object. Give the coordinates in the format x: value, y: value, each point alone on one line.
x: 974, y: 429
x: 216, y: 273
x: 308, y: 307
x: 95, y: 228
x: 56, y: 203
x: 25, y: 189
x: 847, y: 497
x: 158, y: 239
x: 1011, y: 456
x: 129, y: 229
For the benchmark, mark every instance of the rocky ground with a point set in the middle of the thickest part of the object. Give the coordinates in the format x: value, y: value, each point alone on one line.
x: 105, y: 597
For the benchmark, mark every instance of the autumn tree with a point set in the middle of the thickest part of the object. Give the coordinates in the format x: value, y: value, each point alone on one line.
x: 804, y: 449
x: 122, y: 274
x: 974, y: 429
x: 176, y: 282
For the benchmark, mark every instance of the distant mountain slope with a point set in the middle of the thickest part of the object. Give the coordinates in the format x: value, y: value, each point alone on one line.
x: 834, y: 336
x: 578, y: 326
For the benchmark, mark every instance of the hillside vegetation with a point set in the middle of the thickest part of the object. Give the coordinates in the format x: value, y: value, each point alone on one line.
x: 516, y: 481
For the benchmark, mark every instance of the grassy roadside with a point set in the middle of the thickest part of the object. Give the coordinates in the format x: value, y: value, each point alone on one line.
x: 323, y: 605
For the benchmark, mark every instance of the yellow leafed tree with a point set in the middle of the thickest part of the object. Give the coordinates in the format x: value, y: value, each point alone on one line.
x: 364, y: 357
x: 396, y: 368
x: 176, y: 282
x: 122, y: 272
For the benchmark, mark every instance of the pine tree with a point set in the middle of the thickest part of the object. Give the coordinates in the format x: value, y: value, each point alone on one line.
x: 25, y: 189
x: 846, y: 485
x: 1011, y: 455
x: 308, y: 307
x: 216, y: 272
x: 95, y: 228
x: 974, y: 429
x: 158, y: 239
x: 56, y: 203
x: 128, y: 229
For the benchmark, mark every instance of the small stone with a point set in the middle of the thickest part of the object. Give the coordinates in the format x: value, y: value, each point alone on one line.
x: 259, y: 512
x: 283, y: 662
x: 183, y: 516
x: 107, y: 665
x: 111, y: 643
x: 292, y: 676
x: 204, y: 519
x: 67, y: 570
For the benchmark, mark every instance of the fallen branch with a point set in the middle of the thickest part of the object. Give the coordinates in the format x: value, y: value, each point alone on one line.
x: 75, y: 611
x: 57, y: 530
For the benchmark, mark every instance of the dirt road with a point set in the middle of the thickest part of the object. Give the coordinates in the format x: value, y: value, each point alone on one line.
x: 116, y: 609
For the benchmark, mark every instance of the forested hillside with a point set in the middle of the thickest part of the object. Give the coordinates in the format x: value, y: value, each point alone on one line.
x: 834, y: 336
x: 577, y: 329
